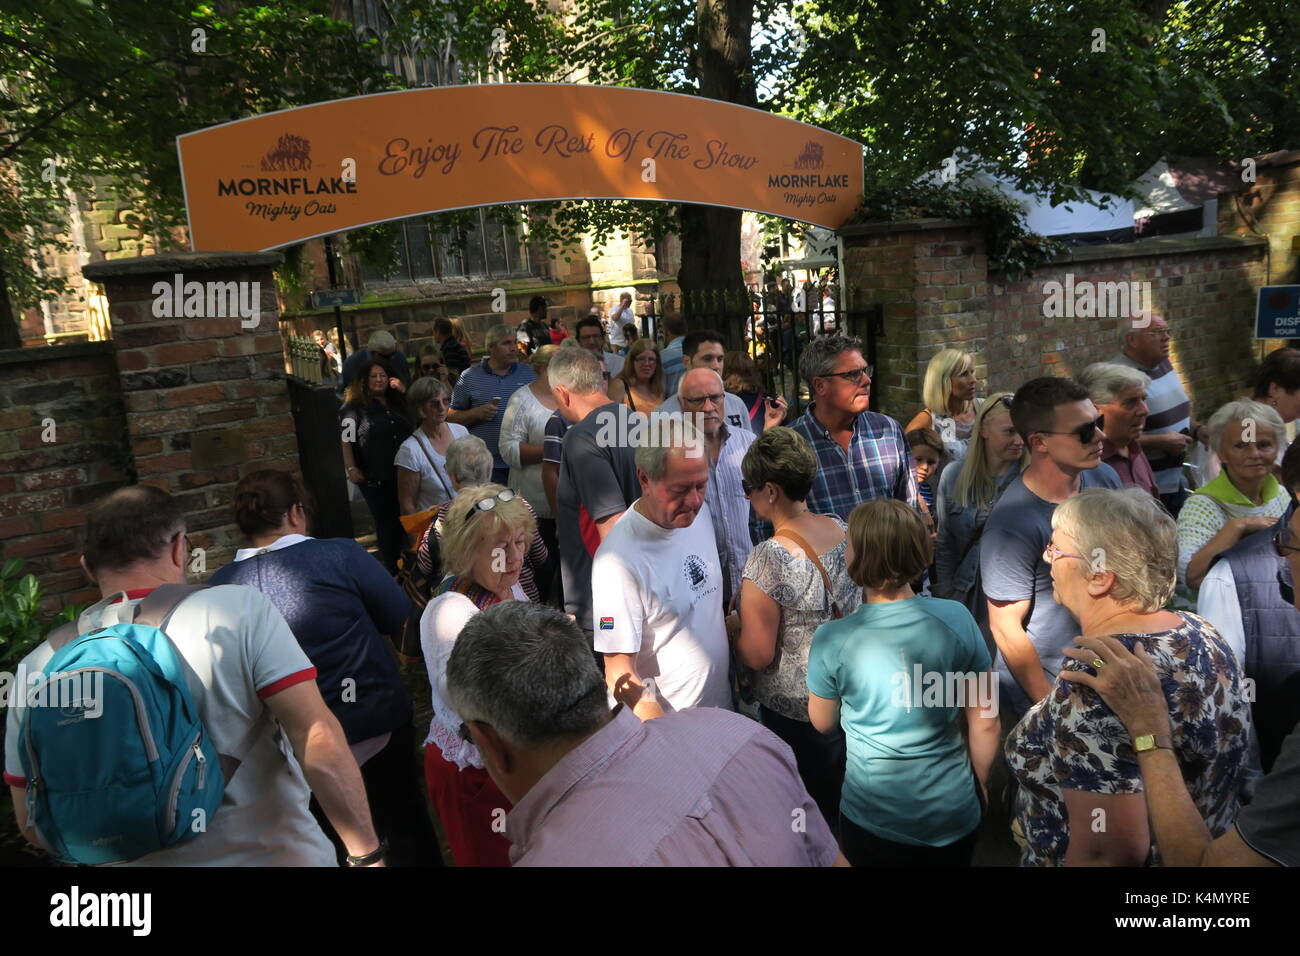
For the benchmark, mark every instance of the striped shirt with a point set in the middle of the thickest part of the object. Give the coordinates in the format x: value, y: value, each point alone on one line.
x: 728, y: 506
x: 553, y: 443
x: 674, y: 364
x: 1169, y: 411
x: 478, y: 386
x: 878, y: 464
x: 701, y: 787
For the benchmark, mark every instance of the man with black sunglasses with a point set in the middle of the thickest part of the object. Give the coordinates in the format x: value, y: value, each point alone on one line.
x: 1063, y: 438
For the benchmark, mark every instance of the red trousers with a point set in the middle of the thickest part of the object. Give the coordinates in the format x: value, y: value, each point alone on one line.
x: 471, y: 808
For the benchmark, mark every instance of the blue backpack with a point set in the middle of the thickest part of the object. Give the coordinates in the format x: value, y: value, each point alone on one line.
x: 118, y: 763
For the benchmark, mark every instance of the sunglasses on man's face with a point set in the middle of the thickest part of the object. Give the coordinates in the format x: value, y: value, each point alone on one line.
x: 1085, y: 432
x: 853, y: 376
x: 429, y: 368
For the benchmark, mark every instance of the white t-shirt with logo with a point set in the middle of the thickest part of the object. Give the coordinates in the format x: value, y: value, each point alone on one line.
x: 239, y: 651
x: 657, y: 593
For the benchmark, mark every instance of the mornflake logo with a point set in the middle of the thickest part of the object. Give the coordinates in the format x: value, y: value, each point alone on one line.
x: 208, y: 300
x: 76, y: 909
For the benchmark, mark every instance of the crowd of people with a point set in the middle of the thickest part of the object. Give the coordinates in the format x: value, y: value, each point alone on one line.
x: 663, y: 625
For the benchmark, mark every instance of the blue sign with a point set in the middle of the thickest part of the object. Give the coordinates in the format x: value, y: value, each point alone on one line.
x: 1277, y: 312
x: 333, y: 297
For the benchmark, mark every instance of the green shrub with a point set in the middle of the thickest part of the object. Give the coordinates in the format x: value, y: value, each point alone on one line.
x: 22, y: 623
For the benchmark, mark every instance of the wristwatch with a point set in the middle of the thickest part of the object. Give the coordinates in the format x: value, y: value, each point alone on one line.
x: 1152, y: 742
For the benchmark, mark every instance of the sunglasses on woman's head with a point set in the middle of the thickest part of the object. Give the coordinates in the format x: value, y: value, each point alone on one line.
x: 487, y: 504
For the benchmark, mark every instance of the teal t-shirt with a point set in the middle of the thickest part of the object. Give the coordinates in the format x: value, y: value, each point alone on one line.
x: 903, y: 671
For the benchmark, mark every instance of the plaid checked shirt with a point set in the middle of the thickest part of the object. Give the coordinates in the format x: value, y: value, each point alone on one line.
x: 878, y: 464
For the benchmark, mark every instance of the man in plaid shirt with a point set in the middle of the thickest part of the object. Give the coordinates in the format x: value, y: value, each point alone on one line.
x: 861, y: 455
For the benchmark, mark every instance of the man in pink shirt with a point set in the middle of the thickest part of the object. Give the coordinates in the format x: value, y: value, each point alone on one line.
x: 1120, y: 394
x: 703, y: 787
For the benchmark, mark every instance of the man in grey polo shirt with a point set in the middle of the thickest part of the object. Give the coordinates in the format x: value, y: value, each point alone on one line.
x: 483, y: 391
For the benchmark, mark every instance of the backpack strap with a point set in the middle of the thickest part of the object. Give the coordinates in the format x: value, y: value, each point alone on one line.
x: 158, y: 604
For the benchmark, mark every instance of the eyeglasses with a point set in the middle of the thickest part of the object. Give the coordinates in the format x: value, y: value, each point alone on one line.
x: 1284, y: 543
x: 1085, y: 432
x: 429, y: 368
x: 1157, y: 333
x: 699, y: 400
x: 854, y: 375
x: 747, y: 488
x: 487, y: 504
x: 1052, y: 552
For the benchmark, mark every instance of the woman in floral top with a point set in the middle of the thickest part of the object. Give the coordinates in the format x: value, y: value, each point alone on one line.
x: 1114, y: 564
x: 783, y: 600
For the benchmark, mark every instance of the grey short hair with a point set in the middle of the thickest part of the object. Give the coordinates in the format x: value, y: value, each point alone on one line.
x: 822, y: 352
x: 666, y: 433
x: 421, y: 391
x: 381, y: 340
x: 496, y: 333
x: 577, y: 370
x: 1125, y: 531
x: 1105, y: 382
x: 469, y: 461
x: 526, y: 671
x: 1240, y: 411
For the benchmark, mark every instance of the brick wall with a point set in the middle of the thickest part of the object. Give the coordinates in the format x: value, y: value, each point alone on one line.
x: 70, y: 394
x: 205, y: 399
x: 1268, y: 206
x: 932, y: 278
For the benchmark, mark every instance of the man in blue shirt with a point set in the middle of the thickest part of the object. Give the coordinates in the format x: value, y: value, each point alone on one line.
x: 671, y: 356
x: 1063, y: 437
x: 480, y: 397
x: 861, y: 455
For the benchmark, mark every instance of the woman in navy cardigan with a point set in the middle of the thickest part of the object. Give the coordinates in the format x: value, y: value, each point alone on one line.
x: 339, y: 602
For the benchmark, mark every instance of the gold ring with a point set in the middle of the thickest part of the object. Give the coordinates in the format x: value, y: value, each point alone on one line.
x: 1098, y: 663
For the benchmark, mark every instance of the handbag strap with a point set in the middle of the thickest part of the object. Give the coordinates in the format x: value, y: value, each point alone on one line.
x: 812, y: 556
x: 450, y: 494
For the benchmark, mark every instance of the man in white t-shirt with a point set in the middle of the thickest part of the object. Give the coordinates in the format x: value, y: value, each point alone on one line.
x: 657, y: 584
x: 620, y: 317
x: 241, y: 656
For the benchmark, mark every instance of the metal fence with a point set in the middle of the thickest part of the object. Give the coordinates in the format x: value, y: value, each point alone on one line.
x: 770, y: 331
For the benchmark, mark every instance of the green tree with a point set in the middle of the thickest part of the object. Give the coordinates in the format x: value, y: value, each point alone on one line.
x: 93, y: 96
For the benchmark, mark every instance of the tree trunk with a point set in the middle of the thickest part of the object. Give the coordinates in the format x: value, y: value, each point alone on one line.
x: 710, y: 235
x: 11, y: 336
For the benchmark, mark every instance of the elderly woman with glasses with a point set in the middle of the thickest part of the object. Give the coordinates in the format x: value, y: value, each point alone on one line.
x: 486, y: 535
x: 1243, y: 499
x: 1113, y: 568
x: 422, y: 479
x: 469, y: 462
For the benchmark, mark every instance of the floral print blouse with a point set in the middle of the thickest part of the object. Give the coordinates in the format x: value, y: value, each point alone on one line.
x: 796, y: 585
x: 1072, y: 740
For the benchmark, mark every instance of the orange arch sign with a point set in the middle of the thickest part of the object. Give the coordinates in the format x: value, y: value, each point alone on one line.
x: 280, y: 178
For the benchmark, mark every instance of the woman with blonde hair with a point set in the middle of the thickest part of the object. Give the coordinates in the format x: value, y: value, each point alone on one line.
x: 640, y: 385
x: 950, y: 402
x: 965, y: 498
x: 487, y: 531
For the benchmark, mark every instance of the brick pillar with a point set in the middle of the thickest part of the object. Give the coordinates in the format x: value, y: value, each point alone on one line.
x: 206, y: 399
x: 931, y: 276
